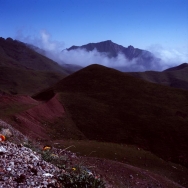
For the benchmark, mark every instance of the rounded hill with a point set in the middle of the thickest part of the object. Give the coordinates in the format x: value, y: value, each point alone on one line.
x: 108, y: 105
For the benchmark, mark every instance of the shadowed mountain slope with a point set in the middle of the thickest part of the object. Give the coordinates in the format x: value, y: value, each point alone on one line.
x: 108, y: 105
x: 17, y: 54
x: 179, y: 67
x: 20, y: 81
x: 24, y: 71
x: 175, y: 77
x: 68, y: 68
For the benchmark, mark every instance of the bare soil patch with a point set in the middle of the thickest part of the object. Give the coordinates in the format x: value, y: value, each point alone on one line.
x: 31, y: 116
x: 120, y: 175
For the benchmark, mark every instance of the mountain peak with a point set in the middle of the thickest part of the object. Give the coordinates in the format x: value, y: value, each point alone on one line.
x: 9, y: 39
x: 107, y: 41
x: 130, y: 47
x: 144, y: 59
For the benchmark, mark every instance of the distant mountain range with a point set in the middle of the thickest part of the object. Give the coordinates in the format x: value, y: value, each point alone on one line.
x: 20, y: 60
x: 136, y: 59
x: 145, y: 60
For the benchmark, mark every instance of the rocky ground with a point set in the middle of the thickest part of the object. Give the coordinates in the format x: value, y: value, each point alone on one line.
x: 23, y: 167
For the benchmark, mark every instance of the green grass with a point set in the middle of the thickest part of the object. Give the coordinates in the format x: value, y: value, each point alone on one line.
x: 24, y: 71
x: 111, y: 106
x: 175, y: 78
x: 13, y: 109
x: 126, y: 154
x: 63, y: 128
x: 146, y: 125
x: 17, y: 54
x: 106, y: 105
x: 21, y: 81
x: 73, y: 176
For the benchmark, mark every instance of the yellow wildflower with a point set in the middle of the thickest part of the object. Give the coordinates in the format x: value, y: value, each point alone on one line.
x: 46, y: 148
x: 54, y: 155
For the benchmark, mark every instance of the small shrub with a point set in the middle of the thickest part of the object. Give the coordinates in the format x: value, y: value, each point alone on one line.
x: 83, y: 180
x: 76, y: 177
x: 59, y: 161
x: 30, y: 145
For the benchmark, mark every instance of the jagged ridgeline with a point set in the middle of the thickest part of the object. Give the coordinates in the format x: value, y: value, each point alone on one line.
x: 135, y: 59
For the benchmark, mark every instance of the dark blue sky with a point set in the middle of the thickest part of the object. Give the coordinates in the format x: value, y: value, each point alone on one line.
x: 140, y: 23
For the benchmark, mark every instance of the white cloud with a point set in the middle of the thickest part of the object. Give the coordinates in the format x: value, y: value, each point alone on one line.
x: 84, y: 58
x: 42, y: 40
x: 48, y: 44
x: 53, y: 49
x: 170, y: 56
x: 81, y: 57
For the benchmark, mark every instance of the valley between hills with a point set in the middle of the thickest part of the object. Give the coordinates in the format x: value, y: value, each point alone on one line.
x: 132, y: 127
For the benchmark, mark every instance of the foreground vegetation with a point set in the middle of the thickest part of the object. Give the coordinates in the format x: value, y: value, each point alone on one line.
x: 108, y: 106
x: 126, y: 154
x: 74, y: 177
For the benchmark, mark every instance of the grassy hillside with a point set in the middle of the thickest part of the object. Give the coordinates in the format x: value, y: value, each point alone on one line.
x: 17, y: 54
x: 19, y: 81
x: 108, y: 105
x: 175, y: 77
x: 126, y: 154
x: 24, y: 71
